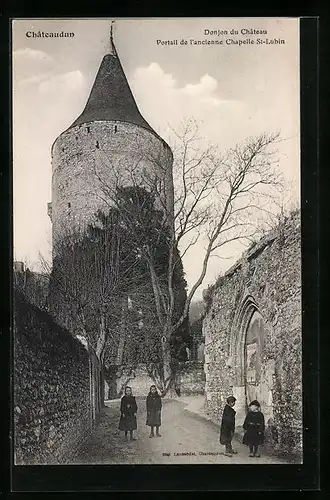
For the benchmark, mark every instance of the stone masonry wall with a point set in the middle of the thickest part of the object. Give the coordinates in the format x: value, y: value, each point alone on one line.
x: 269, y: 277
x: 98, y: 155
x: 192, y: 378
x: 51, y: 388
x: 134, y: 376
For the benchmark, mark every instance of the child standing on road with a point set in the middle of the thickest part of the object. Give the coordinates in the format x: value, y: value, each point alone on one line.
x: 154, y: 408
x: 228, y: 426
x: 254, y: 426
x: 128, y: 410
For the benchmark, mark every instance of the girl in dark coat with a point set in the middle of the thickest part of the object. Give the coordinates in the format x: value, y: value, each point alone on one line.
x: 128, y: 409
x: 227, y: 428
x: 254, y: 426
x: 154, y: 408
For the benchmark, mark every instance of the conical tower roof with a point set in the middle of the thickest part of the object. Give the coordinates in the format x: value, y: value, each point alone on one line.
x: 111, y: 97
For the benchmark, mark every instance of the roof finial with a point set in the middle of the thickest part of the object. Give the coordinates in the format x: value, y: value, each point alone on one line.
x: 112, y: 45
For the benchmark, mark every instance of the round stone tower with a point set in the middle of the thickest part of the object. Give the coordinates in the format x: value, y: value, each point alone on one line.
x: 109, y: 144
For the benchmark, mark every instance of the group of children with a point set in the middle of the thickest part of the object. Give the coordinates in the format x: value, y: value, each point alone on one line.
x: 254, y: 427
x: 128, y: 410
x: 254, y: 423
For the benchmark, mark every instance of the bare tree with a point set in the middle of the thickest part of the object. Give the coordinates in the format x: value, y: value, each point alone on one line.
x: 89, y: 280
x: 217, y: 198
x: 89, y: 283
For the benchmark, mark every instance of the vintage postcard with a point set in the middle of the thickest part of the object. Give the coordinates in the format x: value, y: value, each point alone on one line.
x: 157, y: 241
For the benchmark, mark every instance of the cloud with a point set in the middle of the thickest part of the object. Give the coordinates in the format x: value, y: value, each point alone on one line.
x: 31, y: 66
x: 154, y: 74
x: 207, y: 84
x: 204, y: 90
x: 36, y: 78
x: 39, y: 68
x: 64, y: 96
x: 31, y: 54
x: 70, y: 82
x: 162, y: 101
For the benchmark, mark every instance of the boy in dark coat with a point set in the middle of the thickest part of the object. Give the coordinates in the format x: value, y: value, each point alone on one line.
x: 128, y: 409
x: 154, y: 408
x: 227, y: 428
x: 254, y: 426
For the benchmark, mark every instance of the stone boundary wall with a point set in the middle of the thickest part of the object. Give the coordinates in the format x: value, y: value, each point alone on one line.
x: 268, y: 278
x: 135, y: 376
x: 52, y: 413
x: 192, y: 378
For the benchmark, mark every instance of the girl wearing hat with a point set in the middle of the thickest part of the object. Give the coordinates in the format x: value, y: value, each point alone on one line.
x: 254, y: 426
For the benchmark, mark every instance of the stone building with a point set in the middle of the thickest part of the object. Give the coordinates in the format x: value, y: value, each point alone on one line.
x: 252, y: 331
x: 109, y: 144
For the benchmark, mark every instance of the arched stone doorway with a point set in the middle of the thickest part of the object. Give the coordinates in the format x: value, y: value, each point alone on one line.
x: 253, y: 374
x: 259, y: 372
x: 252, y: 357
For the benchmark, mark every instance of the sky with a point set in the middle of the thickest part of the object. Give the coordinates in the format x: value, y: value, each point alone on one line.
x: 233, y: 91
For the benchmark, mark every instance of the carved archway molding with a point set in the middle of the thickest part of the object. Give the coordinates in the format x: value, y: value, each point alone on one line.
x: 242, y: 318
x: 239, y: 328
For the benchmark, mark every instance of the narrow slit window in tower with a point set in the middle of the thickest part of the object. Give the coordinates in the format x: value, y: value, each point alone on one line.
x: 69, y: 205
x: 88, y: 130
x: 97, y: 145
x: 116, y: 128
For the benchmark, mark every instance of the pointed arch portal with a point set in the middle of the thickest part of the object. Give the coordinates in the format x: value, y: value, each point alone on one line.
x: 253, y: 375
x: 252, y: 356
